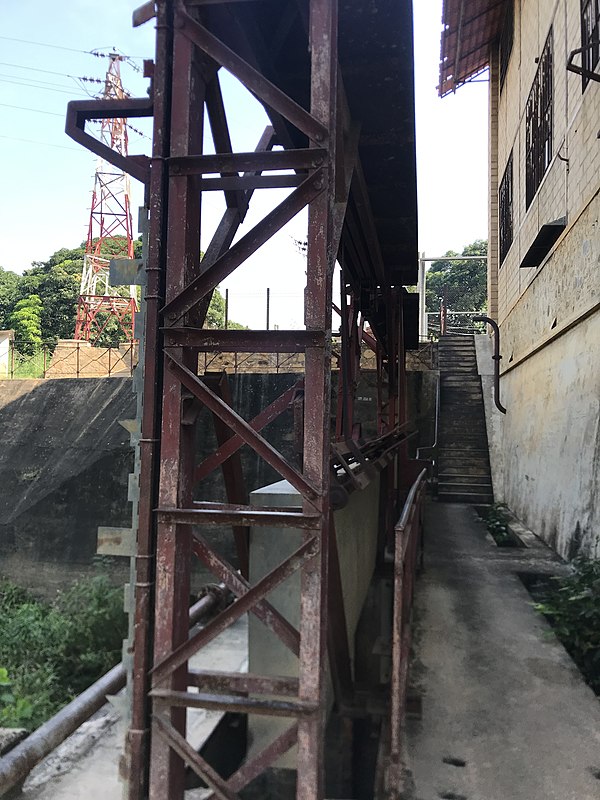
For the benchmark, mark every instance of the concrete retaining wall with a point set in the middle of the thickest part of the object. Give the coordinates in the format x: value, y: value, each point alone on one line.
x: 356, y: 528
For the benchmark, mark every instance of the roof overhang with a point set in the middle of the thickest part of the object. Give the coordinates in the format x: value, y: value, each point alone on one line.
x: 470, y: 28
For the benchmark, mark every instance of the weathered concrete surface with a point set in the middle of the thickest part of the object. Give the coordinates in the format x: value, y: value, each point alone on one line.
x: 552, y: 441
x: 64, y: 464
x: 545, y: 452
x: 499, y: 694
x: 356, y: 527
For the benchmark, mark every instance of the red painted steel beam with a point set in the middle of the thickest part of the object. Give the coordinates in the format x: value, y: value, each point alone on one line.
x: 234, y: 703
x: 193, y: 292
x: 251, y: 78
x: 182, y: 265
x: 234, y: 341
x: 233, y: 444
x: 80, y: 111
x: 238, y: 425
x: 254, y: 162
x: 238, y: 586
x: 220, y: 682
x: 179, y: 656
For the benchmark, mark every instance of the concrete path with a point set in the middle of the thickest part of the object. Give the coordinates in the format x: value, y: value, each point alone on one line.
x: 506, y: 715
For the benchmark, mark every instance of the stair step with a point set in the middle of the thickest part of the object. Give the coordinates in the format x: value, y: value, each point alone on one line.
x: 461, y: 488
x: 455, y: 472
x: 465, y: 497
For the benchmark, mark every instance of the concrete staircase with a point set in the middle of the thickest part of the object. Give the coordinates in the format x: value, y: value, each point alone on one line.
x: 463, y: 458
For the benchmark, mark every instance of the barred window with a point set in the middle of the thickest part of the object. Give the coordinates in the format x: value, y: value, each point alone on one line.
x: 505, y: 201
x: 590, y: 39
x: 506, y: 41
x: 538, y: 124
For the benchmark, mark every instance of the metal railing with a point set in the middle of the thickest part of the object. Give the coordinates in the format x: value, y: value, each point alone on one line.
x: 408, y: 544
x: 441, y: 323
x: 430, y: 452
x: 68, y: 359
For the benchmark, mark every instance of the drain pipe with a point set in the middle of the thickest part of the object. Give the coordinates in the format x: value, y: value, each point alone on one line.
x: 16, y: 765
x: 494, y: 326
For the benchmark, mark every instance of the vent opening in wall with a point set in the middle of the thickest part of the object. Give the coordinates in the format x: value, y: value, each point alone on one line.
x: 544, y: 242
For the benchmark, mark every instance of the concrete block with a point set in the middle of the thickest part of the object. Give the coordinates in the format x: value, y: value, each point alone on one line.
x: 356, y: 527
x: 116, y: 542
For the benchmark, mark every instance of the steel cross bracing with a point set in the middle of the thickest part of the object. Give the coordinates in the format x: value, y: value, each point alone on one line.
x: 179, y: 287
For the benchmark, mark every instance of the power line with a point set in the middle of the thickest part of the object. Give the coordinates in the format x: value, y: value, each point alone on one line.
x: 76, y: 90
x: 62, y: 47
x: 46, y: 144
x: 36, y: 110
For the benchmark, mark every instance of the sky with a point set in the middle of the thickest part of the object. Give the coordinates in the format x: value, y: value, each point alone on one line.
x: 47, y: 179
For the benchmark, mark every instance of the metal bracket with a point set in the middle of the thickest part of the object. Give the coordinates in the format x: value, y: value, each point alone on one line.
x: 585, y: 73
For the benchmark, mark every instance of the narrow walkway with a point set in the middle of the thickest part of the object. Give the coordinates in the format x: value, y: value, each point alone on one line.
x: 506, y: 715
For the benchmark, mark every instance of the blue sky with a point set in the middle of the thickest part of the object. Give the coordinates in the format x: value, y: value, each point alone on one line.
x: 46, y: 183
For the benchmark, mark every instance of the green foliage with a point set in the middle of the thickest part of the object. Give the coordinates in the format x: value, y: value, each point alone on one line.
x: 9, y: 283
x: 572, y: 605
x: 464, y: 282
x: 215, y: 316
x: 56, y: 282
x: 26, y: 321
x: 53, y: 651
x: 497, y: 525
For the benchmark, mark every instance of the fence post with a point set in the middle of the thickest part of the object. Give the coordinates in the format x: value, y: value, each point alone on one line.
x: 12, y: 360
x: 45, y: 355
x: 109, y: 352
x: 268, y: 305
x: 77, y: 361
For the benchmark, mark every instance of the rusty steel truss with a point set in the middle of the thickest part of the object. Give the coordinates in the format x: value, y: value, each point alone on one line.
x: 330, y: 160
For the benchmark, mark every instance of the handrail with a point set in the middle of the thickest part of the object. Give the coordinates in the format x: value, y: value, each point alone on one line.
x: 496, y: 358
x: 435, y: 430
x: 408, y: 536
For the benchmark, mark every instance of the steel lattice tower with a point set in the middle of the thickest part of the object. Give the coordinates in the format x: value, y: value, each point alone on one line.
x: 109, y: 230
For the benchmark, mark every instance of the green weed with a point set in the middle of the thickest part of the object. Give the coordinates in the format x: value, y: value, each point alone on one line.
x: 572, y: 606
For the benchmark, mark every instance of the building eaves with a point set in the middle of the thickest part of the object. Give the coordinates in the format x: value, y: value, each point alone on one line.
x: 470, y: 28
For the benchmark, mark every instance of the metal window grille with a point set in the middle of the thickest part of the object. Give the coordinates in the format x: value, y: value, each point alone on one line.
x: 590, y: 37
x: 505, y: 201
x: 538, y: 126
x: 506, y: 42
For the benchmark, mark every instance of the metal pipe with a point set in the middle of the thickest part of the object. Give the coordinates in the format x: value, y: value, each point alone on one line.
x: 16, y: 765
x: 436, y: 426
x: 494, y: 326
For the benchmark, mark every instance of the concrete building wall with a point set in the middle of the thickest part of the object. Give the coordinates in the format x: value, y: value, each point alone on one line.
x: 6, y: 337
x: 549, y: 315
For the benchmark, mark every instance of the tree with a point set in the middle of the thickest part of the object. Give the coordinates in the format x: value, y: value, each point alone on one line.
x: 9, y: 283
x: 215, y: 316
x: 56, y: 282
x: 464, y: 282
x: 26, y: 321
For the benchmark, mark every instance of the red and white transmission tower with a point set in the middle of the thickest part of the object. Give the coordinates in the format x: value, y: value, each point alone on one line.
x: 109, y: 232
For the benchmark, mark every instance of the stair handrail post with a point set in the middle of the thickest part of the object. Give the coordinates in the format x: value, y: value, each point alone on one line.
x: 496, y: 357
x: 443, y: 316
